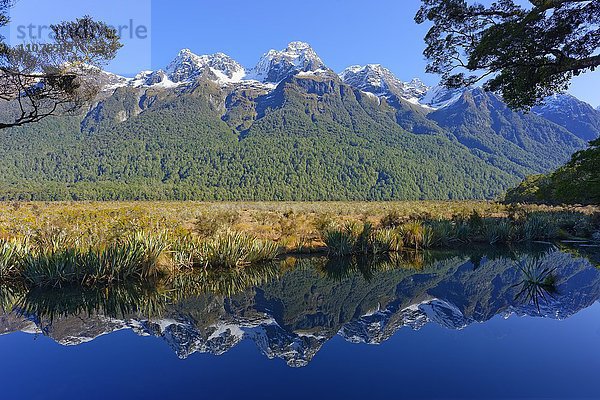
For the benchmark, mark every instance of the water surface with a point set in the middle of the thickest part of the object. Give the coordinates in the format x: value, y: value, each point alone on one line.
x: 479, y: 323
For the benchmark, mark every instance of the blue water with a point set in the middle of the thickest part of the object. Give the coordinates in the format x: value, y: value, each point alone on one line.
x: 505, y: 356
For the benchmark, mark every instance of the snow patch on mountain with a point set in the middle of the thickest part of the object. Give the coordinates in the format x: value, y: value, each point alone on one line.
x: 563, y: 103
x: 575, y: 115
x: 378, y: 80
x: 188, y: 66
x: 381, y: 82
x: 276, y: 66
x: 297, y: 59
x: 157, y: 79
x: 440, y: 97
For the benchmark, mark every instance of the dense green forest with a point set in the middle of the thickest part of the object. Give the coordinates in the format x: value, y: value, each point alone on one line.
x: 578, y: 182
x: 309, y: 139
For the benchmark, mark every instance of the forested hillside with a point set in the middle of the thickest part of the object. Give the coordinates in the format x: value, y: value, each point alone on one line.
x: 308, y: 136
x: 578, y: 182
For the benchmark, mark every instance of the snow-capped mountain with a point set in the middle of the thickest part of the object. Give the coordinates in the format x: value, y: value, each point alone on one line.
x: 571, y: 113
x: 275, y: 65
x: 188, y: 66
x: 440, y: 97
x: 380, y: 81
x: 300, y: 59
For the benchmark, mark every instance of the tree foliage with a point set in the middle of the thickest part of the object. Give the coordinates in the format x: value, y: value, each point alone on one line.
x: 39, y: 80
x: 578, y: 182
x: 523, y: 53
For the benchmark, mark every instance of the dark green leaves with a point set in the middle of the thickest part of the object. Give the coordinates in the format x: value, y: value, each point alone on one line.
x: 524, y: 54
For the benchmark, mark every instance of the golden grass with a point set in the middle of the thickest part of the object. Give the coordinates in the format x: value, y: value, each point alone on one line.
x: 293, y: 225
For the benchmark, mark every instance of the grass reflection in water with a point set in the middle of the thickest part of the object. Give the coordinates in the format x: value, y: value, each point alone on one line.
x: 539, y: 281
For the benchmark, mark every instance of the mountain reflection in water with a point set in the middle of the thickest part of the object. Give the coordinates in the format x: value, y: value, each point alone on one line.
x: 292, y: 308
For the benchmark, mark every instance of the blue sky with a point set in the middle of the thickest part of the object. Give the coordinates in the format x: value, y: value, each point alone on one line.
x: 343, y: 32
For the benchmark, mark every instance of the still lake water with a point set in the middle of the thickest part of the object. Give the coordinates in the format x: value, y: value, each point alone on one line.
x: 480, y: 323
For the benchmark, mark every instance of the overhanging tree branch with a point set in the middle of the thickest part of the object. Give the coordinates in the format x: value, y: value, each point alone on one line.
x: 527, y: 54
x: 56, y: 78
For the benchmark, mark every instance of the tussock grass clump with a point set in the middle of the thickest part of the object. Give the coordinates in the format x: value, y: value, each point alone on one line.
x: 362, y: 239
x: 538, y: 227
x: 185, y: 252
x: 135, y: 259
x: 11, y: 257
x: 573, y: 223
x: 155, y: 248
x: 392, y: 219
x: 138, y: 257
x: 234, y: 249
x: 497, y: 231
x: 441, y: 233
x: 51, y: 268
x: 392, y: 235
x: 142, y: 257
x: 414, y: 234
x: 210, y: 224
x: 340, y: 242
x: 53, y: 238
x: 387, y: 241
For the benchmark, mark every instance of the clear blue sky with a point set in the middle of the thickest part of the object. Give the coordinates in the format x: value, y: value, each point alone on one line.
x: 343, y: 32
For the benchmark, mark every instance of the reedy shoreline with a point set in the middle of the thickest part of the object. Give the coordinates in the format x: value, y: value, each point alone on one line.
x: 91, y: 244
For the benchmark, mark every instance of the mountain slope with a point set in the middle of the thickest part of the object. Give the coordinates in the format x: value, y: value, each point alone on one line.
x: 288, y: 129
x: 317, y: 139
x: 512, y: 141
x: 578, y: 182
x: 572, y: 114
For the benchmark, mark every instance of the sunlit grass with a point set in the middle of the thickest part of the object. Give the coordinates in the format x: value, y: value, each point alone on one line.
x: 292, y: 224
x: 61, y: 244
x: 139, y: 257
x: 12, y: 252
x: 393, y: 235
x: 234, y: 249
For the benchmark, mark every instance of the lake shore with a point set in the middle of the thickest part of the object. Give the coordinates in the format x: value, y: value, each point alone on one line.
x: 291, y: 225
x: 95, y: 244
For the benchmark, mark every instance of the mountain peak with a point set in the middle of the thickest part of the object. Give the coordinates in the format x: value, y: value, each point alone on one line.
x: 276, y: 65
x: 571, y: 113
x: 376, y: 79
x: 184, y: 52
x: 188, y: 66
x: 298, y: 46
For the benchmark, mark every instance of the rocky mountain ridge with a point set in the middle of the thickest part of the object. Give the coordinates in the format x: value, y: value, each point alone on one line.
x: 288, y: 129
x: 299, y: 57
